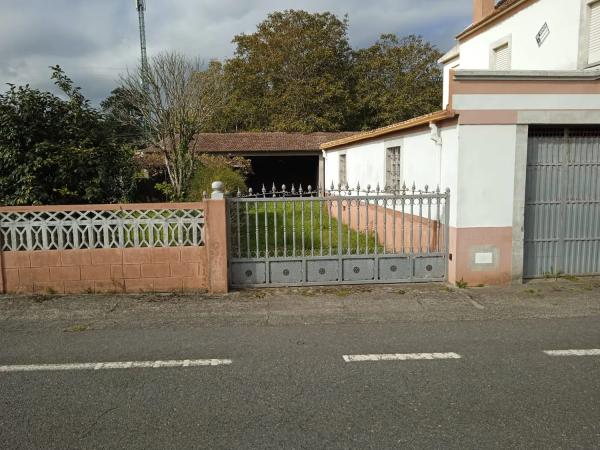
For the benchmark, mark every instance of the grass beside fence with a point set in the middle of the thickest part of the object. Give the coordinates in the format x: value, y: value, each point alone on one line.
x: 161, y: 228
x: 293, y: 228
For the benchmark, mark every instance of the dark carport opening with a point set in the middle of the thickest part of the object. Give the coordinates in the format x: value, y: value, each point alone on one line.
x: 282, y: 169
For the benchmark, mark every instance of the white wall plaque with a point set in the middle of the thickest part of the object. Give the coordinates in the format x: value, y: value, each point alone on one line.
x: 484, y: 258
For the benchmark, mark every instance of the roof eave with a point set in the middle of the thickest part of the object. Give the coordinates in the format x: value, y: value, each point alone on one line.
x: 489, y: 19
x: 450, y: 55
x: 527, y: 75
x: 402, y: 126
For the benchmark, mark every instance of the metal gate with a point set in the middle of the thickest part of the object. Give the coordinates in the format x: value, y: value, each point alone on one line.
x: 562, y: 212
x: 341, y: 236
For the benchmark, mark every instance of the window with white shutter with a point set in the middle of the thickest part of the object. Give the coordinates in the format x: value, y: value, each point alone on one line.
x: 502, y: 57
x: 342, y: 170
x: 594, y: 49
x: 393, y: 166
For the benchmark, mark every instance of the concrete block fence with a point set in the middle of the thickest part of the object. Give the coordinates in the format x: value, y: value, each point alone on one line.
x: 160, y: 247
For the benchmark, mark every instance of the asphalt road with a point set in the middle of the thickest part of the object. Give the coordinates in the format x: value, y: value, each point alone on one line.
x: 289, y: 387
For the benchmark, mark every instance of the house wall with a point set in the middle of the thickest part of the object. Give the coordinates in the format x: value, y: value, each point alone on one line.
x: 485, y: 173
x: 558, y: 52
x: 424, y: 162
x: 482, y: 158
x: 477, y: 163
x: 449, y: 168
x: 481, y: 235
x: 454, y: 64
x: 494, y: 115
x: 421, y: 160
x: 565, y: 48
x: 420, y: 164
x: 365, y: 164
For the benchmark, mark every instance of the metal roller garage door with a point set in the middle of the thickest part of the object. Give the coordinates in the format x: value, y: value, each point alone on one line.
x: 562, y: 209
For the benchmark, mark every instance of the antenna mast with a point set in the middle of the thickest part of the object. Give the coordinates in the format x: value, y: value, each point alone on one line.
x: 141, y: 8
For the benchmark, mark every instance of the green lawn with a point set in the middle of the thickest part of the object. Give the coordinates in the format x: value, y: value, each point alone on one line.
x: 158, y: 227
x: 293, y: 228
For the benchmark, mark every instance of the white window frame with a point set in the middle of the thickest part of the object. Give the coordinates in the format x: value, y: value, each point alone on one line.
x: 504, y: 42
x: 393, y: 166
x: 587, y: 32
x: 343, y: 169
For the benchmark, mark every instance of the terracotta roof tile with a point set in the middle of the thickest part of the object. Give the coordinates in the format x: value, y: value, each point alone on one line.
x: 504, y: 4
x: 264, y: 142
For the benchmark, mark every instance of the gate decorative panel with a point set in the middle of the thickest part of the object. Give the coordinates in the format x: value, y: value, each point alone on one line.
x: 562, y: 213
x: 338, y: 236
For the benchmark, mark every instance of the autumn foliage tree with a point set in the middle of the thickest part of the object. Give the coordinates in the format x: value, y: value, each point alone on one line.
x: 297, y: 72
x: 292, y: 74
x: 396, y: 79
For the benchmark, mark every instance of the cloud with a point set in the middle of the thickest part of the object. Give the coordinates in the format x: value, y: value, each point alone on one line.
x: 96, y: 41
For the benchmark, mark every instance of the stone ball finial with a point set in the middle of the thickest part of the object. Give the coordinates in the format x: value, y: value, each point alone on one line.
x: 217, y: 190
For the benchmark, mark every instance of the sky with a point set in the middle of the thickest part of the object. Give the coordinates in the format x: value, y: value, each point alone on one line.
x: 96, y: 40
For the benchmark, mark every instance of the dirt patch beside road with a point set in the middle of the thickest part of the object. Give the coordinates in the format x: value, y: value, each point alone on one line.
x: 311, y: 305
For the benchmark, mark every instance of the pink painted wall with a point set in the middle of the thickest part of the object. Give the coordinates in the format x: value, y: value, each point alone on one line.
x: 466, y: 242
x: 430, y: 231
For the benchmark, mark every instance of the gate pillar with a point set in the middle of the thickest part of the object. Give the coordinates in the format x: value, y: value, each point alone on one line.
x: 216, y: 241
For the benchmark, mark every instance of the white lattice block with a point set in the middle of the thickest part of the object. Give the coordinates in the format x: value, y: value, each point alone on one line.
x: 64, y: 230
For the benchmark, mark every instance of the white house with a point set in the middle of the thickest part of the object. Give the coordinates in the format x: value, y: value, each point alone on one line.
x: 517, y: 143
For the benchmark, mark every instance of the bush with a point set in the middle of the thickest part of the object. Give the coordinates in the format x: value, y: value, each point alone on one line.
x: 215, y: 169
x: 60, y: 150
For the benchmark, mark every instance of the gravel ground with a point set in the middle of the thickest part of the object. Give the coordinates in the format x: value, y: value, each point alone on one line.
x: 315, y: 305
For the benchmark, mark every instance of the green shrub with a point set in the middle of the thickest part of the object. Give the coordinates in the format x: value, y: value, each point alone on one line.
x: 462, y: 284
x: 214, y: 169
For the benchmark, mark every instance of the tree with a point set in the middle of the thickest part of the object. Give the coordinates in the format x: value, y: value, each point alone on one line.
x: 396, y: 79
x: 292, y: 74
x: 124, y: 118
x: 59, y: 151
x: 175, y: 100
x: 215, y: 80
x: 231, y: 171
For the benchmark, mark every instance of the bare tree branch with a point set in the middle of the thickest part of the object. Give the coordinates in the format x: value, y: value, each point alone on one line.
x: 176, y: 99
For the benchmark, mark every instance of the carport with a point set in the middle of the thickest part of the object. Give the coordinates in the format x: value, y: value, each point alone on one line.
x: 280, y: 158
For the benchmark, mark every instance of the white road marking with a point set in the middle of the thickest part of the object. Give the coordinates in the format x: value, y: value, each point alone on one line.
x: 588, y: 352
x: 116, y: 365
x: 401, y: 357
